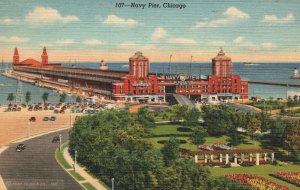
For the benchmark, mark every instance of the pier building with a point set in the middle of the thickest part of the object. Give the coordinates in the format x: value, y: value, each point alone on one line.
x: 137, y: 84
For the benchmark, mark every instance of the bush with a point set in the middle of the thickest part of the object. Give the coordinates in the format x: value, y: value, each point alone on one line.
x: 180, y: 141
x: 184, y: 129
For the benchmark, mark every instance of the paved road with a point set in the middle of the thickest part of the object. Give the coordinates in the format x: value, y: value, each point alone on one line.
x: 35, y: 167
x: 183, y: 100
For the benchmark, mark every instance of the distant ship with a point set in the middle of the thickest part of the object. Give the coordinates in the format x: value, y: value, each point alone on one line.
x: 247, y: 63
x: 295, y: 74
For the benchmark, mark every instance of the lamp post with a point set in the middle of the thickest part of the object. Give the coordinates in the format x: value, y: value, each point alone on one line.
x: 75, y: 160
x: 60, y: 142
x: 112, y: 183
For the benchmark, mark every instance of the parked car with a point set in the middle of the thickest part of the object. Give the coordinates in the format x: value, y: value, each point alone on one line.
x: 55, y: 139
x: 20, y: 147
x: 46, y: 118
x: 52, y: 118
x: 56, y: 111
x: 32, y: 119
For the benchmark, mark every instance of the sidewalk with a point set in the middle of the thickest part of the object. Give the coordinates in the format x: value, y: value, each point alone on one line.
x: 81, y: 170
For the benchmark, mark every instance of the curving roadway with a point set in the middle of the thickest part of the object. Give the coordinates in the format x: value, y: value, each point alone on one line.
x: 36, y: 167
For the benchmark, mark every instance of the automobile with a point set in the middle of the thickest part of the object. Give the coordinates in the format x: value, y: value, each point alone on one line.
x: 32, y: 119
x: 52, y: 118
x: 46, y: 118
x: 55, y: 139
x: 20, y: 147
x: 62, y: 111
x: 51, y: 108
x: 56, y: 111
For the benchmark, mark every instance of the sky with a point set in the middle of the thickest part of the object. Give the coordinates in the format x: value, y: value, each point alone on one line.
x: 251, y: 31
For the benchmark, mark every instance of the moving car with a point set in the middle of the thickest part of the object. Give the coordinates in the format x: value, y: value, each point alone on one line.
x: 55, y: 139
x: 20, y: 147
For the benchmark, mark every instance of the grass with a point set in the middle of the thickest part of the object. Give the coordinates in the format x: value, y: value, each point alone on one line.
x: 77, y: 176
x: 262, y: 170
x: 88, y: 186
x: 157, y: 145
x: 164, y: 129
x: 60, y: 158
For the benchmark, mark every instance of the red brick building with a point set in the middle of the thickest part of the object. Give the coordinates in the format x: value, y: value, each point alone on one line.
x: 139, y: 84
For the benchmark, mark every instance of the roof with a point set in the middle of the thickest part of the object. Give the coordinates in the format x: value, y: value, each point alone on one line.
x: 221, y: 56
x: 138, y: 55
x: 30, y: 62
x: 233, y: 151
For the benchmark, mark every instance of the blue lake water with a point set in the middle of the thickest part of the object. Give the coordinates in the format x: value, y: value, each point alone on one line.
x: 249, y: 72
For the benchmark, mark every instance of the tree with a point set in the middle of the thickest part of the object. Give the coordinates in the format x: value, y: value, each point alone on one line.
x: 191, y: 117
x: 78, y: 99
x: 146, y: 118
x: 277, y: 133
x: 296, y: 98
x: 178, y: 112
x: 253, y: 124
x: 62, y: 97
x: 170, y: 150
x: 10, y: 97
x: 45, y: 97
x: 218, y: 119
x: 27, y: 97
x: 198, y: 135
x: 292, y: 136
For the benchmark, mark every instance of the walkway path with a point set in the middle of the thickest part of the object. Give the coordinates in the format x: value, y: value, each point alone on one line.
x: 81, y: 170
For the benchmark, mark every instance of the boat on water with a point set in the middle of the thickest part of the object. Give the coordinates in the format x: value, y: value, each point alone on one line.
x: 247, y: 63
x: 69, y: 93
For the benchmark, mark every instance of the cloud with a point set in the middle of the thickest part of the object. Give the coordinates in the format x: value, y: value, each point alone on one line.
x: 231, y: 15
x: 115, y: 20
x: 65, y: 42
x: 44, y: 15
x: 238, y: 39
x: 8, y: 21
x: 182, y: 41
x: 92, y: 42
x: 13, y: 39
x: 273, y: 19
x: 128, y: 45
x: 216, y: 43
x: 268, y: 45
x: 159, y: 32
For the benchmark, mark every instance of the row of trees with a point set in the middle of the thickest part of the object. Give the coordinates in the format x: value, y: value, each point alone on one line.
x: 45, y: 96
x: 111, y: 145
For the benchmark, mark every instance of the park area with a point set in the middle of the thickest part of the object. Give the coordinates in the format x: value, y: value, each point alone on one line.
x: 280, y: 175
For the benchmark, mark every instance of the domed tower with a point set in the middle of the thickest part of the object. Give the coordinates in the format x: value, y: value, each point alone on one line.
x: 221, y: 65
x: 16, y: 57
x: 103, y: 65
x: 44, y: 57
x: 139, y: 65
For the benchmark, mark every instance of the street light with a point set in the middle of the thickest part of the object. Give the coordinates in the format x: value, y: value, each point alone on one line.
x: 60, y: 142
x: 75, y: 159
x: 112, y: 183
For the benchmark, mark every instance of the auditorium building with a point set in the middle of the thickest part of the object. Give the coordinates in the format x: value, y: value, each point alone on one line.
x: 138, y: 84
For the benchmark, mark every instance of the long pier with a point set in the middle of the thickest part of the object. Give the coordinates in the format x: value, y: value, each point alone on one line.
x: 275, y: 84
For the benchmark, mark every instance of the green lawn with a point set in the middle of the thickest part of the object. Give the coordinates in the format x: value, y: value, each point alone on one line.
x: 59, y: 157
x: 77, y: 176
x: 157, y: 145
x: 249, y: 144
x: 163, y: 129
x: 88, y: 186
x: 262, y: 170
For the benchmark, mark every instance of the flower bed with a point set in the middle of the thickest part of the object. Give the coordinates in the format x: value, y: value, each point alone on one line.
x: 255, y: 181
x: 291, y: 177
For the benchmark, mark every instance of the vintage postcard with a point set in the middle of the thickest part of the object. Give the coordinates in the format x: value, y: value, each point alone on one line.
x: 150, y: 95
